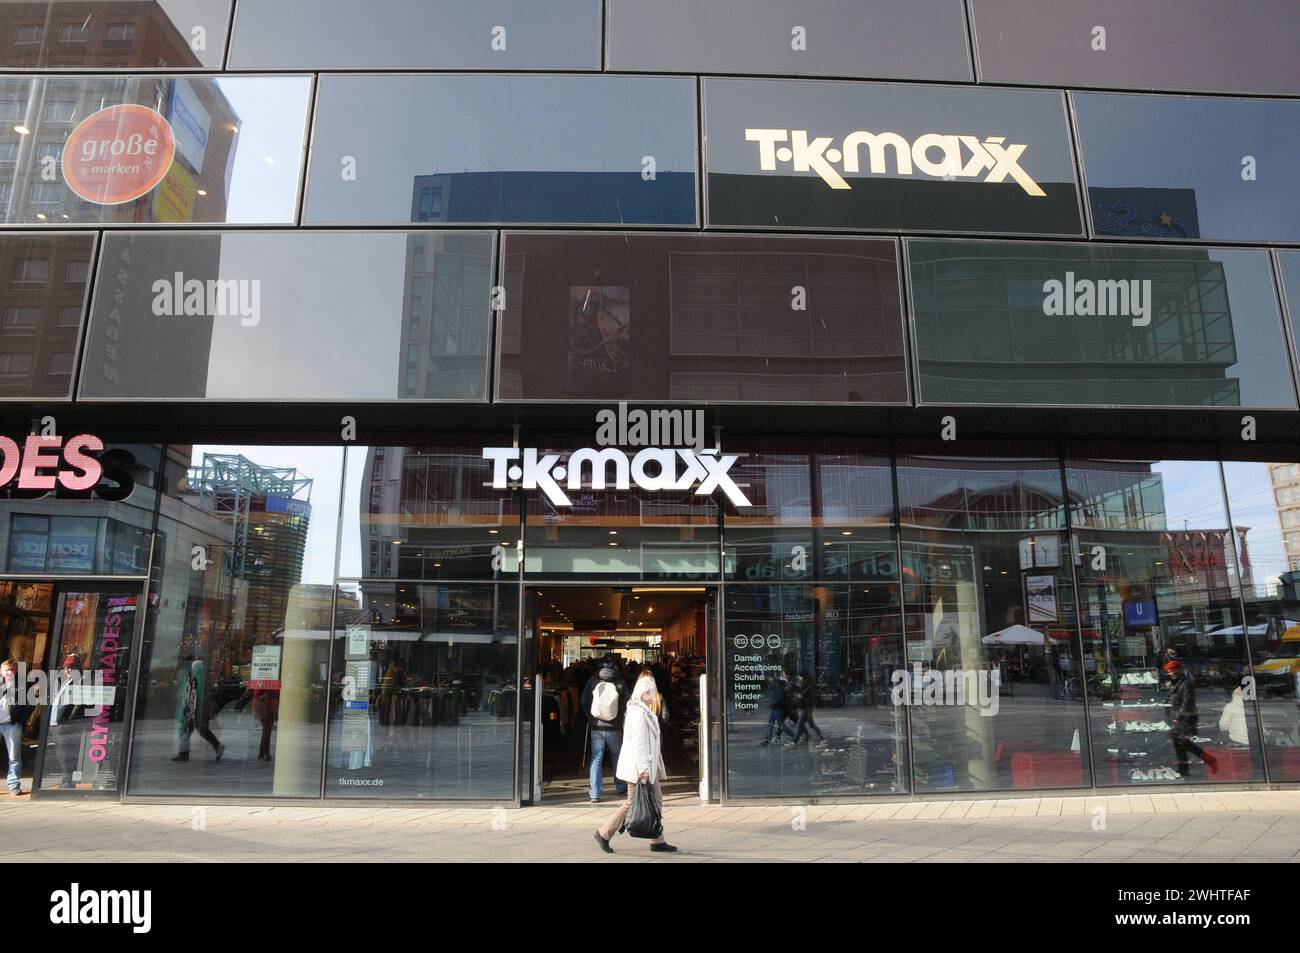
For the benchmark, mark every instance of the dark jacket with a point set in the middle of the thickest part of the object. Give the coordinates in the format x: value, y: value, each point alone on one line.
x: 589, y: 692
x: 777, y: 694
x: 1182, y: 699
x: 804, y: 694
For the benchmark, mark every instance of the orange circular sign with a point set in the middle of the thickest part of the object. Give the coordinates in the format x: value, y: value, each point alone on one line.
x: 118, y: 154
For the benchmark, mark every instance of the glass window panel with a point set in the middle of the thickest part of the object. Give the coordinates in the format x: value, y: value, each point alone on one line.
x: 993, y: 677
x: 923, y: 40
x: 102, y: 531
x: 416, y: 34
x: 1202, y: 45
x: 1176, y: 180
x: 273, y: 315
x: 428, y: 512
x: 40, y: 319
x: 552, y: 149
x: 430, y: 708
x: 113, y: 34
x: 234, y: 670
x: 790, y: 153
x: 618, y: 534
x: 807, y: 688
x: 616, y: 316
x: 154, y: 149
x: 1289, y: 271
x: 1270, y: 582
x: 85, y: 736
x: 1021, y: 323
x: 1159, y: 582
x: 819, y: 512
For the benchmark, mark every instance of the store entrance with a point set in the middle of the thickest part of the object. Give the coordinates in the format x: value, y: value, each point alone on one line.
x: 588, y: 634
x: 71, y: 642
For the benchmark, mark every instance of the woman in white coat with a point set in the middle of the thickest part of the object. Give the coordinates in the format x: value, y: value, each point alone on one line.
x: 641, y: 758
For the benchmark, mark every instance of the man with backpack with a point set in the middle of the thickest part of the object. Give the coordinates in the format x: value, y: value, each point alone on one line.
x: 604, y: 702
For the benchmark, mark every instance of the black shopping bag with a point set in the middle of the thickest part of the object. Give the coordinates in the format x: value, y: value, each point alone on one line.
x: 643, y: 818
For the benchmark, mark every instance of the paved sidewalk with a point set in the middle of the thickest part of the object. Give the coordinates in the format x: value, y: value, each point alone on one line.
x: 1183, y: 826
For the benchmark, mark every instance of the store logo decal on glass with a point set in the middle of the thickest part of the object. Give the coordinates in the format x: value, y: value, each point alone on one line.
x: 816, y: 154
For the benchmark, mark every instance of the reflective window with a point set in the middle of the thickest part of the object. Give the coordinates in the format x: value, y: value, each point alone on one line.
x: 416, y: 34
x: 564, y: 149
x: 113, y: 34
x: 993, y: 680
x: 428, y: 512
x: 1264, y: 499
x: 922, y: 40
x: 1159, y: 583
x: 235, y: 664
x: 1289, y: 271
x: 42, y: 297
x: 78, y: 633
x: 809, y: 707
x: 1158, y: 44
x: 817, y: 512
x: 788, y: 153
x: 423, y: 697
x: 130, y: 150
x: 1175, y: 180
x: 1019, y: 323
x: 700, y: 317
x: 48, y: 524
x: 273, y: 315
x: 88, y: 670
x: 608, y: 533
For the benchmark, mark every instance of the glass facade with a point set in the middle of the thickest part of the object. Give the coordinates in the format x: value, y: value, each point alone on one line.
x: 113, y: 34
x: 515, y: 165
x: 791, y: 153
x: 44, y: 281
x: 1197, y: 46
x: 996, y: 623
x: 1174, y: 181
x: 119, y: 150
x: 254, y: 251
x: 1100, y: 325
x: 259, y: 316
x: 875, y: 39
x: 617, y: 316
x: 416, y: 34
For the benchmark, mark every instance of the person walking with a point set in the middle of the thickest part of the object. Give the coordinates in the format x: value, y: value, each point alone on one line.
x: 641, y: 759
x: 604, y: 702
x: 805, y: 699
x: 1185, y: 718
x: 778, y: 698
x: 13, y: 713
x: 192, y: 712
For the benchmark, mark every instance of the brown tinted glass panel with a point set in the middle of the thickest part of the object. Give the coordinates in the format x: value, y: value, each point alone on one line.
x: 113, y: 34
x: 42, y: 298
x: 700, y: 317
x: 1219, y: 46
x: 925, y: 39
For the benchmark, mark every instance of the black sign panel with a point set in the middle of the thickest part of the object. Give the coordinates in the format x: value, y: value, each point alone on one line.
x: 809, y: 154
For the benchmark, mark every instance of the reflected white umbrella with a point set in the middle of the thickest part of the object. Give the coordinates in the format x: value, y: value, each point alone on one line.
x: 1015, y: 635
